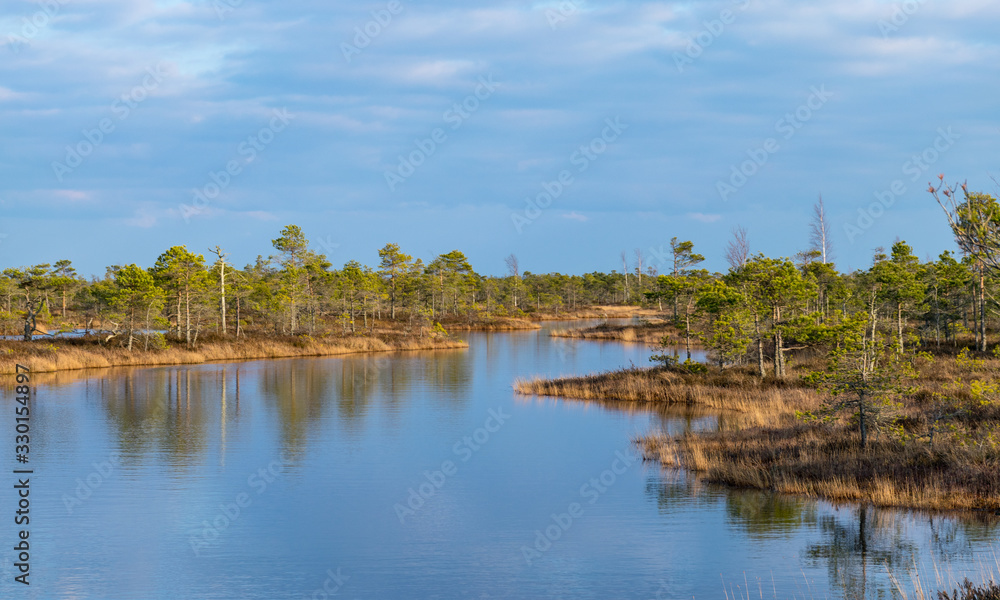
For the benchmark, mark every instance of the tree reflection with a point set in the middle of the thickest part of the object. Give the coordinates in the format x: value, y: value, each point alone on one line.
x: 860, y: 549
x: 161, y: 410
x: 451, y: 374
x: 763, y: 515
x: 955, y: 538
x: 677, y: 490
x: 299, y: 391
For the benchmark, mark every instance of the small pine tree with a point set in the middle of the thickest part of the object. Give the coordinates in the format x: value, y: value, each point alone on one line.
x: 865, y: 377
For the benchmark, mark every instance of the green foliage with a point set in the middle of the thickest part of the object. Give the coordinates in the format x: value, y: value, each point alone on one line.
x: 729, y: 337
x: 864, y: 378
x: 674, y: 363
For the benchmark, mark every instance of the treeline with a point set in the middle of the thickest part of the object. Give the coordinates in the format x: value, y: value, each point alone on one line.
x: 758, y: 311
x: 294, y: 291
x: 765, y: 307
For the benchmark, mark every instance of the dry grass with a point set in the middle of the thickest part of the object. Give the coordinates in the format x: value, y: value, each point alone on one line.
x: 493, y: 324
x: 595, y: 312
x: 651, y: 332
x: 736, y: 391
x: 59, y: 355
x: 773, y: 449
x: 828, y: 462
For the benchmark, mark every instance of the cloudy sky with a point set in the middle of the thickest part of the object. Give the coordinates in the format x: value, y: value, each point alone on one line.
x: 564, y: 132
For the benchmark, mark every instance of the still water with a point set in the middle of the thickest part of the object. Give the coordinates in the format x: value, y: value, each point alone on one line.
x: 420, y: 475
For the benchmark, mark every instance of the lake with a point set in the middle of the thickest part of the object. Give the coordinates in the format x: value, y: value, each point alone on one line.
x: 421, y: 475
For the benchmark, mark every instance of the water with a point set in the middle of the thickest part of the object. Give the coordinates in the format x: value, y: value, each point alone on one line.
x: 271, y: 479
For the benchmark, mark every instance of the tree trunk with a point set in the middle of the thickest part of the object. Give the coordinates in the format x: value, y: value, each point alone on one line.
x: 899, y: 324
x: 937, y: 319
x: 862, y: 420
x: 982, y: 312
x: 146, y: 333
x: 779, y: 355
x: 131, y: 328
x: 687, y: 334
x: 392, y: 299
x: 222, y: 283
x: 760, y: 346
x: 187, y: 315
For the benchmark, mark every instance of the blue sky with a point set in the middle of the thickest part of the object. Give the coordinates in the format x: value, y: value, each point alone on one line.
x: 433, y: 129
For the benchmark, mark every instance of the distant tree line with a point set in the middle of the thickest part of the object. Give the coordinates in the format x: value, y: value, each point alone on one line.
x: 294, y: 291
x: 755, y: 313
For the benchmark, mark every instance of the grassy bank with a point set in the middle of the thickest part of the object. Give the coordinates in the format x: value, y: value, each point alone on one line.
x: 68, y: 354
x: 651, y: 332
x: 492, y: 324
x: 922, y: 463
x: 593, y: 312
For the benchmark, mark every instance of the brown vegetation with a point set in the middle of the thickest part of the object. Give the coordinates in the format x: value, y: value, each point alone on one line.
x: 68, y: 354
x: 594, y: 312
x: 936, y: 458
x: 720, y: 390
x: 651, y: 332
x: 492, y: 323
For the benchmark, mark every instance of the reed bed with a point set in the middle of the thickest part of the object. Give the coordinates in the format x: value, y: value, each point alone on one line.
x: 772, y: 448
x: 729, y: 391
x: 60, y: 355
x: 652, y: 332
x: 493, y: 324
x: 595, y: 312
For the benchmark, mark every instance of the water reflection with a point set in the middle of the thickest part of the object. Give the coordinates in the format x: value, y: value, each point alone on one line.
x: 764, y: 517
x: 363, y: 430
x: 161, y: 410
x: 860, y: 547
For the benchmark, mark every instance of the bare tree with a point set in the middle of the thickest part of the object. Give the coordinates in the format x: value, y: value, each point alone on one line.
x: 738, y: 248
x: 819, y: 236
x: 514, y: 270
x: 222, y: 283
x: 31, y: 319
x: 624, y: 257
x: 976, y: 226
x: 974, y: 220
x: 638, y: 265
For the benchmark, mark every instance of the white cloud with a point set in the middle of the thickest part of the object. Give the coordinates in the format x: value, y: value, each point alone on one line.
x: 704, y: 218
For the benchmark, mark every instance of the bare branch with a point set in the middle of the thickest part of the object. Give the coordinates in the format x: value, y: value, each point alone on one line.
x: 738, y: 248
x: 819, y: 236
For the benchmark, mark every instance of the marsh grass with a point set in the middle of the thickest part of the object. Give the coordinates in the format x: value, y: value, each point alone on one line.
x: 652, y: 332
x: 70, y: 354
x: 775, y: 449
x: 492, y: 324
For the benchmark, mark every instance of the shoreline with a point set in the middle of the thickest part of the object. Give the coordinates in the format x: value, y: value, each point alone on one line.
x: 767, y: 446
x: 75, y: 355
x: 494, y: 324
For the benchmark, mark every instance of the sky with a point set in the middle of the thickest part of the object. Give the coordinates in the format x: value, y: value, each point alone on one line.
x: 565, y: 132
